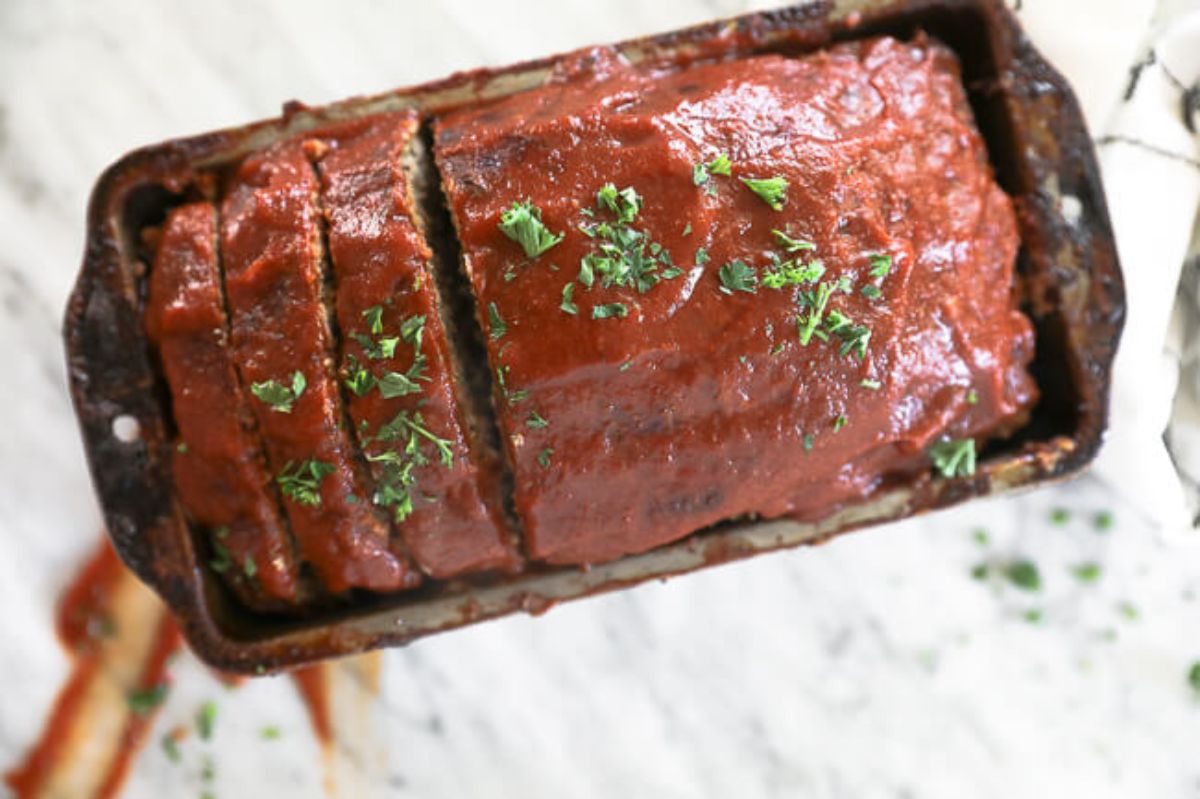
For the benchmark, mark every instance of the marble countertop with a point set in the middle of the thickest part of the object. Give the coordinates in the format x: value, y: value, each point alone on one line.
x: 875, y: 666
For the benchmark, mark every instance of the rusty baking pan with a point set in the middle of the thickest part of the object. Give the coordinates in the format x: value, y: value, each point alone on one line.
x: 1067, y: 266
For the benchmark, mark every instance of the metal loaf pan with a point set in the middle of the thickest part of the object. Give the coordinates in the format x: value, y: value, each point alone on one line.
x: 1067, y: 271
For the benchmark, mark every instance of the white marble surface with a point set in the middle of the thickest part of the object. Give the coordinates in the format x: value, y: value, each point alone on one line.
x: 871, y: 667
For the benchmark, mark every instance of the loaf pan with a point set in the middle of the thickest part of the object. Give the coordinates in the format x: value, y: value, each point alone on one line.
x: 1067, y: 271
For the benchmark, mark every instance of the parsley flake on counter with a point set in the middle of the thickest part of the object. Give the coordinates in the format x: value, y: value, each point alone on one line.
x: 1033, y: 616
x: 543, y: 457
x: 301, y: 481
x: 772, y: 191
x: 170, y: 747
x: 281, y: 398
x: 270, y: 733
x: 737, y: 276
x: 536, y: 421
x: 1060, y: 516
x: 143, y: 701
x: 1193, y: 677
x: 1024, y: 574
x: 499, y: 328
x: 523, y: 224
x: 612, y: 310
x: 701, y: 256
x: 1102, y: 522
x: 954, y: 457
x: 206, y: 719
x: 792, y: 245
x: 1086, y: 572
x: 568, y: 305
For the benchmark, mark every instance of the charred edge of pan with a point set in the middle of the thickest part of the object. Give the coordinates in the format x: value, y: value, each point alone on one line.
x: 396, y: 542
x: 464, y: 335
x: 304, y: 588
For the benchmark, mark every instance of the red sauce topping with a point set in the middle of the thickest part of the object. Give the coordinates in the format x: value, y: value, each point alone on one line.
x: 686, y: 404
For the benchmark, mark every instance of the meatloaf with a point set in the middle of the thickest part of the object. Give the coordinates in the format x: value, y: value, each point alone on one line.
x: 591, y: 318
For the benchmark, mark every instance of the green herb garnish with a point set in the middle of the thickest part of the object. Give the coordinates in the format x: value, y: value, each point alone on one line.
x: 543, y: 457
x: 568, y: 305
x: 394, y: 486
x: 1102, y: 522
x: 144, y: 701
x: 721, y: 165
x: 792, y: 245
x: 626, y: 203
x: 270, y: 733
x: 277, y: 395
x: 1024, y: 574
x: 170, y: 748
x: 206, y: 719
x: 871, y: 291
x: 954, y: 457
x: 523, y: 224
x: 612, y: 310
x: 972, y: 397
x: 358, y: 379
x: 792, y: 273
x: 301, y: 481
x: 1086, y: 572
x: 374, y: 317
x: 536, y: 421
x: 854, y: 337
x: 737, y: 276
x: 815, y: 300
x: 881, y: 264
x: 840, y: 422
x: 870, y: 385
x: 499, y: 328
x: 1060, y: 516
x: 249, y: 567
x: 772, y: 191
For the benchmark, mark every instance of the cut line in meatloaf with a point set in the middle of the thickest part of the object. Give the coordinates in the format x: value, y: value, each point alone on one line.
x: 395, y: 360
x: 217, y: 463
x: 796, y: 287
x: 283, y: 344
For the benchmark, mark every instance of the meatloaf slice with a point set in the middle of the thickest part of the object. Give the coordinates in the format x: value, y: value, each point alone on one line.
x: 760, y: 287
x: 283, y: 344
x: 395, y: 360
x: 217, y: 463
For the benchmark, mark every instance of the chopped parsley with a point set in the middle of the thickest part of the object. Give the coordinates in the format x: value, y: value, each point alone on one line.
x: 871, y: 291
x: 499, y: 328
x: 972, y: 397
x: 144, y: 701
x: 702, y: 172
x: 301, y: 481
x: 737, y: 276
x: 1033, y: 616
x: 854, y: 337
x: 536, y: 421
x: 1024, y: 574
x: 395, y: 384
x: 270, y: 733
x: 1193, y: 677
x: 792, y: 245
x: 701, y: 256
x: 222, y: 559
x: 840, y: 422
x: 624, y: 257
x: 687, y: 229
x: 206, y: 719
x: 772, y: 191
x: 808, y: 443
x: 543, y: 457
x: 568, y: 305
x: 181, y: 447
x: 1086, y: 572
x: 980, y: 536
x: 170, y: 747
x: 1102, y: 522
x: 792, y: 273
x: 280, y: 397
x: 374, y: 317
x: 612, y: 310
x: 1060, y: 516
x: 625, y: 366
x: 357, y: 378
x: 815, y: 300
x: 870, y: 385
x: 396, y: 480
x: 954, y: 457
x: 881, y: 264
x: 249, y: 567
x: 523, y: 224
